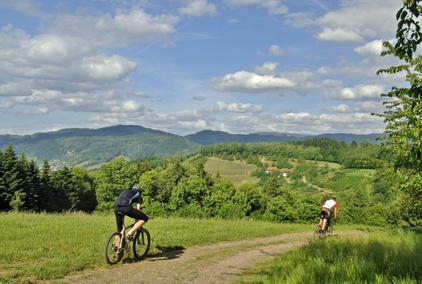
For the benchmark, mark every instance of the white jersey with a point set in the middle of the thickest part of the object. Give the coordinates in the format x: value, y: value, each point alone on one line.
x: 329, y: 204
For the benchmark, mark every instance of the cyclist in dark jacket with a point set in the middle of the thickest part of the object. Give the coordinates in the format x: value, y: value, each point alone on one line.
x: 124, y: 203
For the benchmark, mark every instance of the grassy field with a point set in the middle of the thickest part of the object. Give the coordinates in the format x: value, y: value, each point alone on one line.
x: 387, y: 257
x: 237, y: 172
x: 50, y: 246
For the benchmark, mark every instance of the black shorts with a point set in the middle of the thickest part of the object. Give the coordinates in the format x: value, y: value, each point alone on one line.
x: 325, y: 214
x: 128, y: 211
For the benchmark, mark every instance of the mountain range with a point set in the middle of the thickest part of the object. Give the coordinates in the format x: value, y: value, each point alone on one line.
x: 91, y: 147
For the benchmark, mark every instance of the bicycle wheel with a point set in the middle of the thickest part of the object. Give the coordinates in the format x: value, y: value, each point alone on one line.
x: 141, y: 243
x: 330, y: 230
x: 111, y: 249
x: 316, y: 232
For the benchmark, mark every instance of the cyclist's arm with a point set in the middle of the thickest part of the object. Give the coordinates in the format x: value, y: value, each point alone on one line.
x: 335, y: 212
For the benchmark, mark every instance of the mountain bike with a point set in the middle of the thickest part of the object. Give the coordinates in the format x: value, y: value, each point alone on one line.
x: 329, y: 230
x: 116, y: 244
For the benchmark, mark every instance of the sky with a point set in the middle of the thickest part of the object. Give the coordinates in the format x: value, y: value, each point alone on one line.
x: 183, y: 66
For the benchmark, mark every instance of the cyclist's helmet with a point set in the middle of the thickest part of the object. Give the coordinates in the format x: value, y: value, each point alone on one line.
x: 136, y: 188
x: 333, y: 197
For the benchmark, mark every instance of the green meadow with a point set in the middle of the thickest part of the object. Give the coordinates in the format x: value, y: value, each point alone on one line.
x: 235, y: 171
x: 387, y: 257
x: 40, y: 247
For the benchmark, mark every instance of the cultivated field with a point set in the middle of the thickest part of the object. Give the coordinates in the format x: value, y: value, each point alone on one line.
x: 238, y: 172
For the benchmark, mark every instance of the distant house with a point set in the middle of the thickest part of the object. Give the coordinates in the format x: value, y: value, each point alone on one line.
x: 270, y: 169
x: 284, y: 172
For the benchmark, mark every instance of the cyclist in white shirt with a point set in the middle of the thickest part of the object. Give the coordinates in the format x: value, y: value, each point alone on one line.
x: 326, y: 212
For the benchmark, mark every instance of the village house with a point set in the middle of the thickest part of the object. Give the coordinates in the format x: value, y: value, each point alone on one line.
x: 284, y: 172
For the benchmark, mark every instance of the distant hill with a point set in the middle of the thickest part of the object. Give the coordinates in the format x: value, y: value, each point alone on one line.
x: 87, y: 147
x: 207, y: 137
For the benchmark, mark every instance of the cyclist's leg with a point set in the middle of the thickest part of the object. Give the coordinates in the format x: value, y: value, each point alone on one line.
x: 326, y: 215
x: 321, y: 217
x: 140, y: 217
x: 119, y: 223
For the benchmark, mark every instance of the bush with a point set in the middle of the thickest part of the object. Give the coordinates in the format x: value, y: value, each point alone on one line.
x: 231, y: 211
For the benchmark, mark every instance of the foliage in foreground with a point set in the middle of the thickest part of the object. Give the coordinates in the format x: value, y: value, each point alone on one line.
x: 379, y: 258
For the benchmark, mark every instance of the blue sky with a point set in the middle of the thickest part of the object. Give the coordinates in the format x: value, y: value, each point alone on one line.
x: 182, y: 66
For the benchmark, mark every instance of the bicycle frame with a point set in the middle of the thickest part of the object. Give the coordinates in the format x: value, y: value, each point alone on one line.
x: 117, y: 244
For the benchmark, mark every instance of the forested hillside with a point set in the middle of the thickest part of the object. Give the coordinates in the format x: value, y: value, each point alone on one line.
x: 179, y: 185
x: 90, y: 147
x: 208, y: 137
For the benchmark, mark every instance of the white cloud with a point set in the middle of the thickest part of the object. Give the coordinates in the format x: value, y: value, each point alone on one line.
x: 26, y: 6
x: 358, y: 93
x: 239, y: 107
x: 372, y: 48
x: 127, y: 107
x: 192, y: 125
x: 339, y: 35
x: 108, y: 68
x: 49, y: 49
x: 274, y: 6
x: 243, y: 81
x: 107, y: 30
x: 198, y: 8
x: 339, y: 108
x: 358, y: 16
x: 268, y: 68
x: 370, y: 106
x: 276, y: 50
x: 353, y: 21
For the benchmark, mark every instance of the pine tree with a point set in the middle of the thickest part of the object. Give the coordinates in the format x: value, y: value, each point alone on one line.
x: 11, y: 179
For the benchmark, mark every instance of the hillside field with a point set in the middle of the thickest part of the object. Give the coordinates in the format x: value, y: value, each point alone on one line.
x: 237, y: 172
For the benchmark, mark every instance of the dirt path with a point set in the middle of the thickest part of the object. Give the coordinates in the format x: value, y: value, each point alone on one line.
x: 217, y: 263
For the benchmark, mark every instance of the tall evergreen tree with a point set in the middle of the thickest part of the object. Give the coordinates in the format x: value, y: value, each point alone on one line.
x: 11, y: 181
x: 46, y: 192
x: 31, y: 184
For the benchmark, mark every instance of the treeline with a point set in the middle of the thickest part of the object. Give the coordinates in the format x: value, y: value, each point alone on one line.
x: 363, y: 156
x: 179, y: 185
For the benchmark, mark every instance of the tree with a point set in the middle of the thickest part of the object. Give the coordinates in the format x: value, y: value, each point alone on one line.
x: 45, y: 198
x: 31, y: 184
x: 188, y: 196
x: 249, y: 198
x: 85, y: 190
x: 10, y: 179
x: 408, y: 33
x: 112, y: 178
x: 404, y: 110
x: 62, y: 192
x: 221, y: 193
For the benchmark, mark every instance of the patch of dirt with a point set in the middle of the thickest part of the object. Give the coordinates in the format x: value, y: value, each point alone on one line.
x: 216, y: 263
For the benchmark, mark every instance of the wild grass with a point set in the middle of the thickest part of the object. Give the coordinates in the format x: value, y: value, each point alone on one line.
x: 50, y: 246
x: 388, y: 257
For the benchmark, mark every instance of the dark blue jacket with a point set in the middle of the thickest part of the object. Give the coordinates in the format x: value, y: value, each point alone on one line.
x: 127, y: 198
